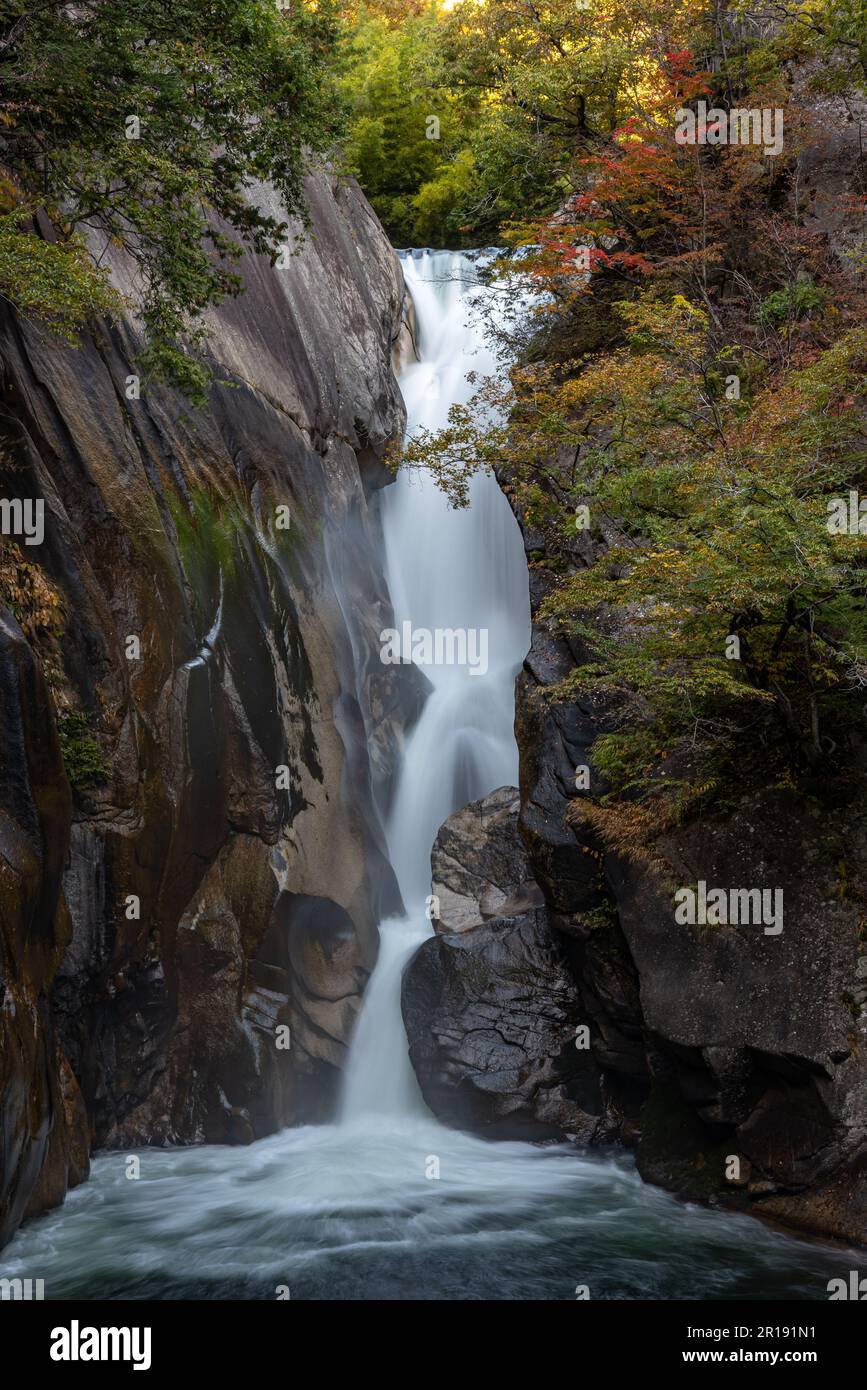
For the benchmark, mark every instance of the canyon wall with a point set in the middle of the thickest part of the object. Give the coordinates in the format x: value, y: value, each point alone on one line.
x: 598, y: 1017
x: 733, y: 1061
x: 197, y: 738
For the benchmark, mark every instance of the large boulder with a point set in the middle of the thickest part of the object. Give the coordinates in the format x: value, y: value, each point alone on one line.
x: 479, y: 865
x: 498, y: 1034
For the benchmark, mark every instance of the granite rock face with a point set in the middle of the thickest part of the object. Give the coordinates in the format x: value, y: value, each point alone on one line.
x: 43, y: 1133
x: 185, y: 940
x: 477, y: 856
x: 756, y: 1037
x: 714, y: 1042
x: 492, y: 1010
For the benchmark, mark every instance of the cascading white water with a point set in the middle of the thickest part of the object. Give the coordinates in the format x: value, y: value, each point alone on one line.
x: 354, y: 1210
x: 451, y: 571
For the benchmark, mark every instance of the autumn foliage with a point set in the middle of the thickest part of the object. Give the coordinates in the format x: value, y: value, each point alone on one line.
x: 689, y: 399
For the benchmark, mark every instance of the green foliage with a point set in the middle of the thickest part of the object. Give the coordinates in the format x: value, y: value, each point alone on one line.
x: 436, y: 203
x: 600, y: 919
x: 56, y: 282
x: 618, y: 756
x: 792, y: 302
x: 723, y: 518
x: 715, y: 514
x: 521, y: 92
x: 833, y: 30
x: 226, y: 92
x: 406, y: 137
x: 82, y: 756
x: 527, y: 92
x: 721, y: 412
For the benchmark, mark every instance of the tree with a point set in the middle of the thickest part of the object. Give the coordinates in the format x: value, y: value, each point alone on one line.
x: 139, y: 124
x: 407, y: 132
x: 686, y: 416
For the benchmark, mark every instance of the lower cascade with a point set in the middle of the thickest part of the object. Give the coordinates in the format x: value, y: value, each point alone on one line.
x: 386, y: 1202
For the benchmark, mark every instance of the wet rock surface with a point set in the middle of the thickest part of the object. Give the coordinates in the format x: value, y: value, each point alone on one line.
x: 44, y: 1138
x: 479, y: 865
x: 731, y: 1059
x: 755, y: 1040
x: 492, y: 1010
x: 217, y: 886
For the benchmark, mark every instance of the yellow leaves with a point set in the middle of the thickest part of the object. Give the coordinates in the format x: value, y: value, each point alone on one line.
x: 31, y: 597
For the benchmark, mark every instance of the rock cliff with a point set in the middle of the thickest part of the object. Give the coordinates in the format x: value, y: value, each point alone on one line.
x: 736, y: 1056
x: 198, y: 739
x: 733, y: 1061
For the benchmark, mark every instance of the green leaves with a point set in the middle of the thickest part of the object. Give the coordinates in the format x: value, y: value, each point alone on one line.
x: 730, y: 511
x: 140, y: 122
x: 56, y: 282
x: 407, y: 132
x: 83, y: 758
x: 791, y: 303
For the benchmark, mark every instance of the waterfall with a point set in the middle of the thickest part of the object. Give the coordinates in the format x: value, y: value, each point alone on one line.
x: 388, y: 1203
x: 455, y: 571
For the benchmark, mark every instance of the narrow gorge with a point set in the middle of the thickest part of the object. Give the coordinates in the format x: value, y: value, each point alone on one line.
x: 253, y: 863
x: 433, y: 675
